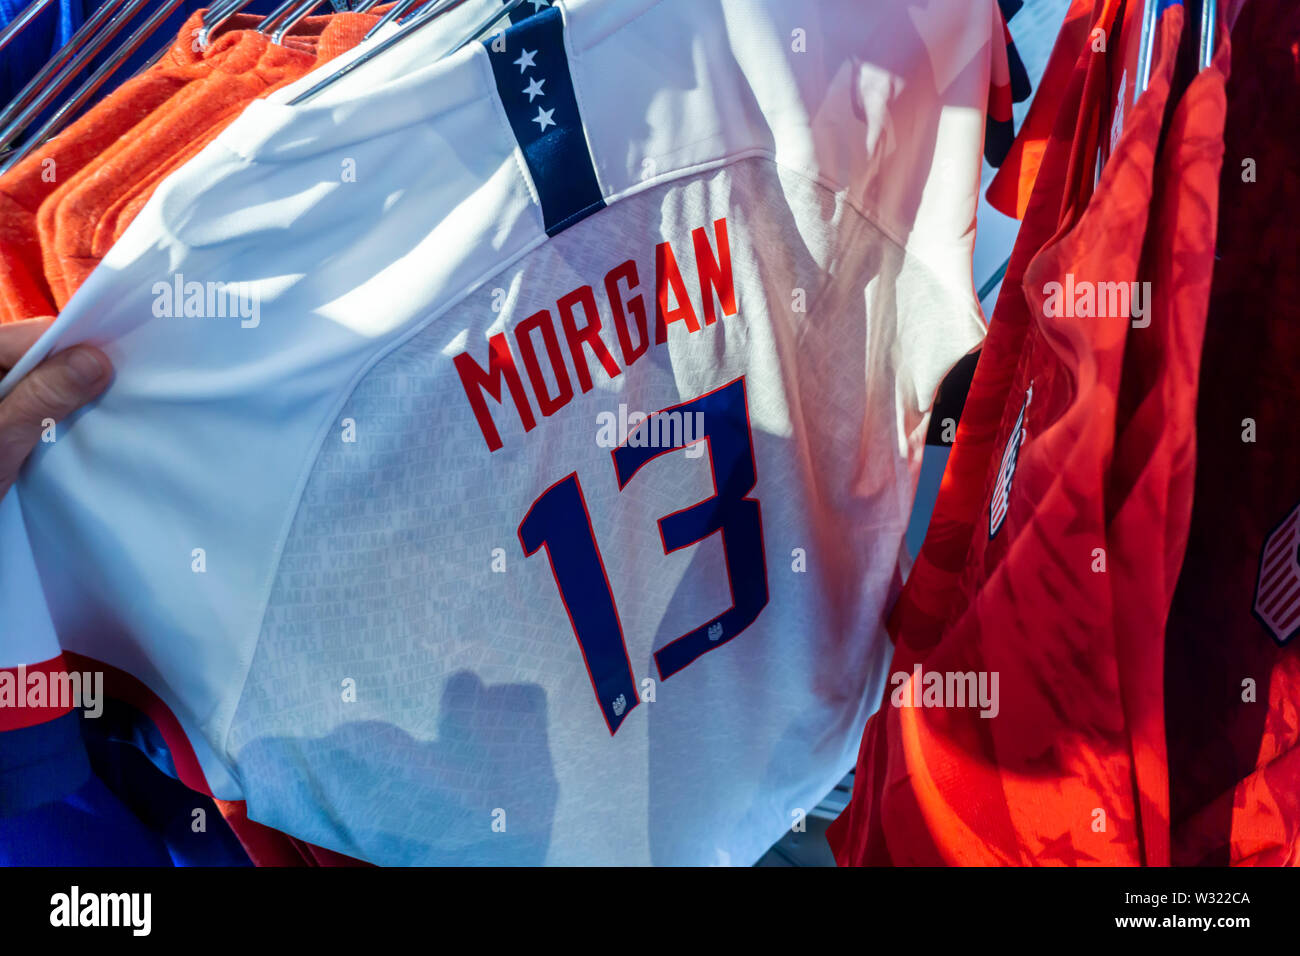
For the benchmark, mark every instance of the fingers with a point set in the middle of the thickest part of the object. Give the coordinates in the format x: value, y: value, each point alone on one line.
x: 17, y: 337
x: 53, y: 390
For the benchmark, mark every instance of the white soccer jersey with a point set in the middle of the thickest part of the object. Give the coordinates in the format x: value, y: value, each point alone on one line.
x: 509, y: 457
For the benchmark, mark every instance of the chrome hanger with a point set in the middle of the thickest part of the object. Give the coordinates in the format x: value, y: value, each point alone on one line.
x: 57, y: 62
x: 31, y: 12
x: 37, y: 97
x: 1146, y: 49
x: 1148, y: 43
x: 408, y: 27
x: 296, y: 16
x: 216, y: 15
x: 1150, y: 17
x: 219, y: 9
x: 271, y: 19
x: 87, y: 90
x: 1209, y: 14
x: 397, y: 11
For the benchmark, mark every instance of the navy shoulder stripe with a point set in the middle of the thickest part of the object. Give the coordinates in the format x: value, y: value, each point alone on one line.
x: 533, y: 81
x: 526, y: 9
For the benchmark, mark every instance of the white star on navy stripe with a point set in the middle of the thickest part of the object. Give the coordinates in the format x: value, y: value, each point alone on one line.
x: 543, y: 118
x: 527, y: 58
x: 534, y: 88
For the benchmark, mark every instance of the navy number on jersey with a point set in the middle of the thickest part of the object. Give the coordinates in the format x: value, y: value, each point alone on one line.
x: 558, y: 521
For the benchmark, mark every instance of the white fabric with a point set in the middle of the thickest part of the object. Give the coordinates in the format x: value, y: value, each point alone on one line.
x: 27, y: 634
x: 436, y: 38
x: 206, y: 527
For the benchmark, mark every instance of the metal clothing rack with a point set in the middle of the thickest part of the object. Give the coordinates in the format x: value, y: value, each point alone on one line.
x: 1206, y: 12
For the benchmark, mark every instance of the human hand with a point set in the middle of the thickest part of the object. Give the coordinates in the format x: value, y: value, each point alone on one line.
x: 53, y: 390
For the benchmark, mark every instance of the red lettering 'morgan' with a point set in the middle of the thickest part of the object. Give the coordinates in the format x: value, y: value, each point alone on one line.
x: 524, y: 337
x: 501, y: 365
x: 668, y: 276
x: 715, y: 273
x: 716, y: 288
x: 589, y: 334
x: 636, y: 305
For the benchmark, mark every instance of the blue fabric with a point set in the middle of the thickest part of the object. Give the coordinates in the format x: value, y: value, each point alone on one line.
x: 536, y: 90
x: 525, y: 9
x: 131, y: 760
x: 36, y: 42
x: 54, y: 811
x: 41, y: 763
x: 89, y: 827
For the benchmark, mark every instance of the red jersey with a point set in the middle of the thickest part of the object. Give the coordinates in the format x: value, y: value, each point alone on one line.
x: 1149, y: 489
x: 1232, y: 658
x: 1013, y: 585
x: 1010, y: 189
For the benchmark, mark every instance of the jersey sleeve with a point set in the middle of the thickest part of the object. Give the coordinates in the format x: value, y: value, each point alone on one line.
x: 1010, y: 84
x: 1009, y: 192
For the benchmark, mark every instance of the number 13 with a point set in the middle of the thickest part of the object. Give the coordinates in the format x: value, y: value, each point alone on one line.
x: 558, y: 520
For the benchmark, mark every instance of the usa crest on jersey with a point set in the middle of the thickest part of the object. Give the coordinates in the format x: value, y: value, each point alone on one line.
x: 1277, y: 587
x: 1002, y: 487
